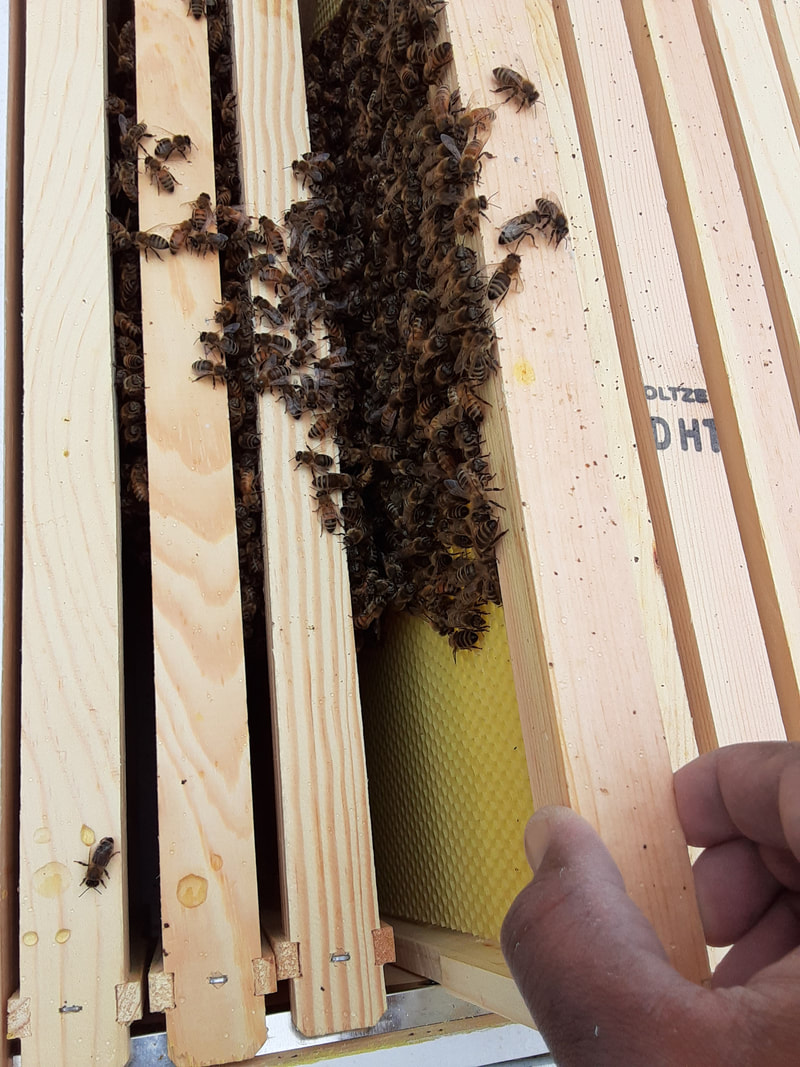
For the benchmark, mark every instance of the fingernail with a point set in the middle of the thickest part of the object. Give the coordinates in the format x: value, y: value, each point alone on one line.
x: 537, y: 838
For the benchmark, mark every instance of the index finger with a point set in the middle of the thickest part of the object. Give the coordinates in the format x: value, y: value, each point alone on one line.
x: 749, y: 790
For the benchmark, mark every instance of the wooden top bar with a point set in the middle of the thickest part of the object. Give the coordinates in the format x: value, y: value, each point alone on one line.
x: 209, y: 897
x: 585, y: 687
x: 74, y: 948
x: 329, y: 894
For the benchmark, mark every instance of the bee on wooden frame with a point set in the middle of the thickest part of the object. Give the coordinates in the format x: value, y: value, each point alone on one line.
x: 209, y: 368
x: 516, y: 86
x: 439, y: 56
x: 552, y: 219
x: 131, y: 135
x: 97, y: 867
x: 223, y: 343
x: 500, y: 281
x: 180, y: 143
x: 160, y: 174
x: 518, y: 227
x: 149, y: 242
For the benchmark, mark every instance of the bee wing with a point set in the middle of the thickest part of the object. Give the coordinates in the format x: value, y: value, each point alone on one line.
x: 451, y: 146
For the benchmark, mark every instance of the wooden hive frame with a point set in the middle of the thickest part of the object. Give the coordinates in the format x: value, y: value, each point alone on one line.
x: 675, y: 297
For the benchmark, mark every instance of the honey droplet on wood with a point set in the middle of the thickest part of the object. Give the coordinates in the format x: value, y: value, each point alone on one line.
x: 51, y: 880
x: 216, y: 861
x: 41, y: 836
x: 62, y: 936
x: 87, y: 835
x: 30, y: 937
x: 192, y: 890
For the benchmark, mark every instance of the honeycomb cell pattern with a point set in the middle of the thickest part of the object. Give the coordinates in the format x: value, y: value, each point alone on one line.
x: 449, y: 789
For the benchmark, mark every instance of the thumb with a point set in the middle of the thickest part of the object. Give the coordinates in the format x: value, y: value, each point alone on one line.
x: 581, y: 952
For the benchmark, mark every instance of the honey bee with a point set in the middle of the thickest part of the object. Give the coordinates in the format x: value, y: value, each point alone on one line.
x: 228, y: 111
x: 138, y: 481
x: 439, y: 56
x: 122, y: 44
x: 248, y: 488
x: 313, y: 459
x: 134, y: 433
x: 149, y: 242
x: 312, y: 167
x: 321, y: 427
x: 327, y: 511
x: 329, y: 482
x: 517, y: 87
x: 121, y: 238
x: 132, y: 411
x: 229, y: 215
x: 204, y: 242
x: 277, y: 341
x: 131, y: 135
x: 97, y: 867
x: 125, y: 324
x: 124, y: 178
x: 463, y: 640
x: 116, y: 105
x: 440, y: 108
x: 518, y: 227
x: 179, y: 236
x: 160, y: 174
x: 467, y: 215
x: 180, y: 143
x: 216, y: 32
x: 500, y: 281
x: 552, y: 219
x: 202, y: 215
x: 129, y: 284
x: 250, y: 442
x: 476, y: 120
x: 267, y: 312
x: 197, y: 8
x: 223, y: 343
x: 209, y: 368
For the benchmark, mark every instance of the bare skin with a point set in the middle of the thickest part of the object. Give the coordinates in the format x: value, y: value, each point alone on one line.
x: 591, y: 968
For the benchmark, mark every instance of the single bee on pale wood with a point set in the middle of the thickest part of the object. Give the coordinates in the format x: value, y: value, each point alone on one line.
x: 97, y: 867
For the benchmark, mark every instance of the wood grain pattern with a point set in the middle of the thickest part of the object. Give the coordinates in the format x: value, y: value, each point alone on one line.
x: 765, y: 147
x: 18, y: 1017
x: 466, y: 966
x: 749, y: 392
x: 11, y: 479
x: 160, y: 984
x: 74, y: 948
x: 623, y: 454
x: 329, y: 894
x: 585, y: 688
x: 209, y: 903
x: 698, y: 540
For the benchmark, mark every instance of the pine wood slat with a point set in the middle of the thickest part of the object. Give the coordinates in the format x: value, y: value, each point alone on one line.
x: 766, y: 150
x: 209, y: 897
x: 11, y: 488
x: 467, y: 967
x: 730, y: 686
x: 754, y: 416
x: 329, y: 896
x: 623, y: 454
x: 74, y: 948
x: 585, y: 687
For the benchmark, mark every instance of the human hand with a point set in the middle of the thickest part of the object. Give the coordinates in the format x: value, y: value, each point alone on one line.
x: 591, y: 968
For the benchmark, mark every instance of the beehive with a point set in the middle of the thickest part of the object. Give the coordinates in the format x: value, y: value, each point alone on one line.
x: 674, y: 297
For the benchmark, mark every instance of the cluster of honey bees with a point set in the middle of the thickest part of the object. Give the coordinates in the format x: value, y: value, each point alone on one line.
x: 379, y: 253
x: 409, y: 308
